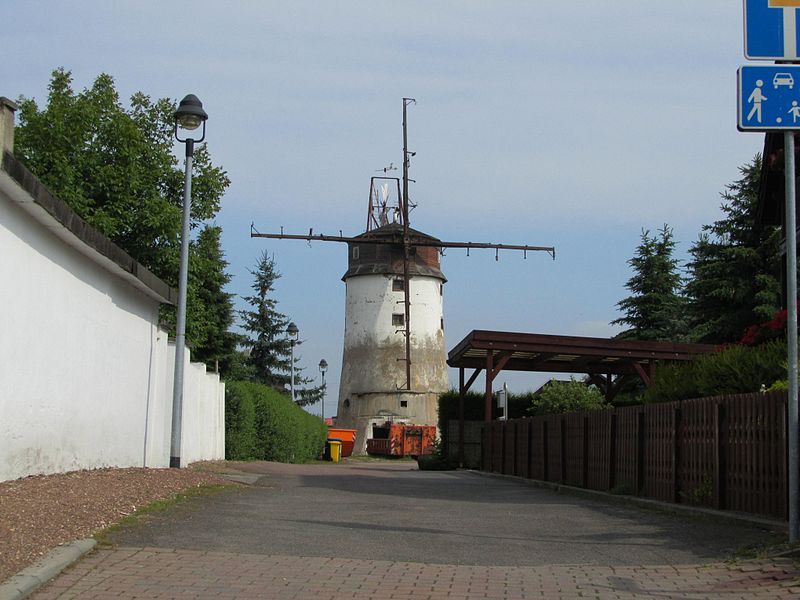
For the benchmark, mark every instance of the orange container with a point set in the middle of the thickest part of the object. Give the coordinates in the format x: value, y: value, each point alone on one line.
x: 402, y: 440
x: 348, y: 437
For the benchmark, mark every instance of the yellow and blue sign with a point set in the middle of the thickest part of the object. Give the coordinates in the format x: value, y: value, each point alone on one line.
x: 768, y: 97
x: 770, y: 29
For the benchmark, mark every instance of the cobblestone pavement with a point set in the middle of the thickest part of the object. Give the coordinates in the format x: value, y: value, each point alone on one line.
x: 176, y: 574
x: 383, y: 530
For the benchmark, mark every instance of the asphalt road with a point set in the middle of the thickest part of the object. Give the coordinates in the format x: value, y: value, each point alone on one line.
x: 391, y: 511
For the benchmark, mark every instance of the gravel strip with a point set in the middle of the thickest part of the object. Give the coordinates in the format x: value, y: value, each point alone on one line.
x: 39, y: 513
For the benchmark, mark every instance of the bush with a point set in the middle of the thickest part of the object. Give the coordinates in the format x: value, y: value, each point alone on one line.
x: 240, y: 422
x: 263, y: 424
x: 436, y: 462
x: 558, y: 397
x: 733, y: 370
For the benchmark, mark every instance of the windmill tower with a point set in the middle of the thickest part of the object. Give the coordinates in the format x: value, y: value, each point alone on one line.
x: 374, y: 386
x: 393, y: 360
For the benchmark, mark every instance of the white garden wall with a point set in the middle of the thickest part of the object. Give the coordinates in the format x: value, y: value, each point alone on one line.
x: 85, y: 371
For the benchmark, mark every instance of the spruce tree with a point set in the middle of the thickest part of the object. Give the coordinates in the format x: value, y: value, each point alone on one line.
x: 270, y: 360
x: 208, y: 277
x: 654, y: 311
x: 735, y: 266
x: 269, y: 347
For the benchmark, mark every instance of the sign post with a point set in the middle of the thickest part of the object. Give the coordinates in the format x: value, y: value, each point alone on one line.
x: 768, y: 99
x: 791, y: 331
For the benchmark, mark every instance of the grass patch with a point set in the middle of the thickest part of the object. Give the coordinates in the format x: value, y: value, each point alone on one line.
x: 368, y: 458
x: 775, y: 547
x: 103, y: 536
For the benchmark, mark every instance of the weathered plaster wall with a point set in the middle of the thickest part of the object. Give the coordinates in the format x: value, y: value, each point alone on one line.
x: 85, y: 372
x: 371, y: 371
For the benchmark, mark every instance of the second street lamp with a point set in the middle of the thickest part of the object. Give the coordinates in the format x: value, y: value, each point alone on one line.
x: 189, y: 116
x: 323, y: 366
x: 293, y: 331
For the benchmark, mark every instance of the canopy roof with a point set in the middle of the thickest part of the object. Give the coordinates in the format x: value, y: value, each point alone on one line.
x: 567, y: 354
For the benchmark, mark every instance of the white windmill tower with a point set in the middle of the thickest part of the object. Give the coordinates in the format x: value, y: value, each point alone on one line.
x: 377, y: 382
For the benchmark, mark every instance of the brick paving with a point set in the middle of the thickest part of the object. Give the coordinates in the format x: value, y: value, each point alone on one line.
x: 161, y: 573
x: 381, y: 531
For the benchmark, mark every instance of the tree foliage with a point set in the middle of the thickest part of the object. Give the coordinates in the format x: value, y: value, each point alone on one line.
x: 115, y: 167
x: 655, y: 308
x: 557, y: 397
x: 734, y: 272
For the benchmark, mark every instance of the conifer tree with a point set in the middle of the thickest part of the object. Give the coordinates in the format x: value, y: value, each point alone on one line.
x: 654, y: 311
x: 270, y: 350
x: 208, y: 277
x: 735, y: 266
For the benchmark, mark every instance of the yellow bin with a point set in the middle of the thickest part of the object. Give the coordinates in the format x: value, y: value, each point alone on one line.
x: 336, y: 450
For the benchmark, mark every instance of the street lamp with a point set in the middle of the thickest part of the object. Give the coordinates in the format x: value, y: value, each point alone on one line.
x: 292, y: 330
x: 323, y: 366
x: 189, y: 116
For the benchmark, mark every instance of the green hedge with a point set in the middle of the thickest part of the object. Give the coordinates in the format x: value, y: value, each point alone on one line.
x: 733, y: 370
x: 263, y: 424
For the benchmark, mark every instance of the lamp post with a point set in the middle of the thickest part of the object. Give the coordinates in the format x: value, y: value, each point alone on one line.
x: 189, y: 116
x: 323, y: 366
x: 292, y: 330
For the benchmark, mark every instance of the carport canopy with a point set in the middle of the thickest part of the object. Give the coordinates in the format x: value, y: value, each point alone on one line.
x: 608, y: 362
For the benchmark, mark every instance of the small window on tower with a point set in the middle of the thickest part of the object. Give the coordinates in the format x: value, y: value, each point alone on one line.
x: 441, y: 289
x: 398, y: 319
x: 403, y: 403
x: 397, y: 285
x: 441, y: 323
x: 355, y: 252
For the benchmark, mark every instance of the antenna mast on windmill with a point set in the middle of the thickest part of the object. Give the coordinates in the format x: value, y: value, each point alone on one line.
x: 382, y: 263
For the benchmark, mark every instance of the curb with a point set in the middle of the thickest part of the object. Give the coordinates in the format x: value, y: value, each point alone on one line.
x: 24, y: 583
x: 682, y: 510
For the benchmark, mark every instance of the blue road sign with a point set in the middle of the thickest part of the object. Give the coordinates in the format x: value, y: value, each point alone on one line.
x: 768, y: 97
x: 770, y: 29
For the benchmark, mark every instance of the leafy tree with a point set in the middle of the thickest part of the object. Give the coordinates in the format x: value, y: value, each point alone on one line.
x: 270, y: 350
x: 116, y: 168
x: 735, y: 266
x: 654, y: 311
x: 557, y: 397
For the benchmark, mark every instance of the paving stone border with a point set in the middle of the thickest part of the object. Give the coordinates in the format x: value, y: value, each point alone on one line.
x: 24, y: 583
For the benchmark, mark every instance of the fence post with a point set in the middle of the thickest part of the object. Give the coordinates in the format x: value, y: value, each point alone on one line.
x: 612, y: 450
x: 545, y: 461
x: 502, y: 448
x: 515, y: 448
x: 585, y: 457
x: 563, y: 436
x: 676, y: 453
x: 719, y: 457
x: 639, y: 451
x: 530, y: 449
x: 486, y: 454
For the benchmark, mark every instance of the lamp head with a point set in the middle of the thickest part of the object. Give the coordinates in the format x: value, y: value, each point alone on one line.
x: 323, y: 365
x: 190, y: 114
x: 292, y: 330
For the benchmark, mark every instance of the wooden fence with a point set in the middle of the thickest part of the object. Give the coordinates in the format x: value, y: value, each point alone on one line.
x: 726, y: 452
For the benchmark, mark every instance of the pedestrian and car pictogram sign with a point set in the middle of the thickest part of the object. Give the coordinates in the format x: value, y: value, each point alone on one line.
x: 768, y: 97
x: 770, y: 29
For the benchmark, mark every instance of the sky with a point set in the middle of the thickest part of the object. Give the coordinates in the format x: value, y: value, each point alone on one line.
x: 567, y: 124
